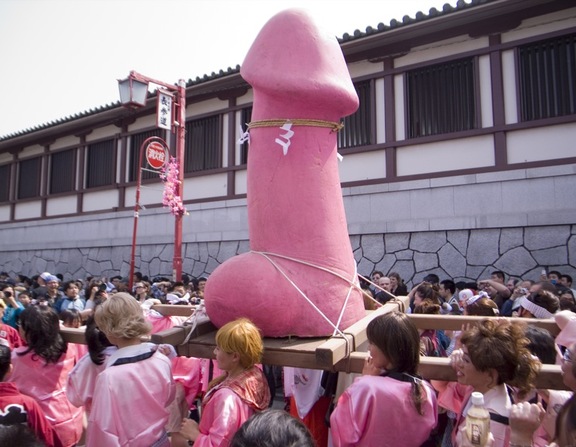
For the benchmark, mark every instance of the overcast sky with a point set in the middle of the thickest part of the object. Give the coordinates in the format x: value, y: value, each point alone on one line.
x: 62, y: 57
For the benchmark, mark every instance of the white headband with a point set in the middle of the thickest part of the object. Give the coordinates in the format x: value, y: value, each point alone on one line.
x: 534, y: 309
x: 475, y: 298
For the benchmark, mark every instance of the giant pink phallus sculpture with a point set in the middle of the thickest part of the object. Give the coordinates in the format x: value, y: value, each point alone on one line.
x: 298, y: 278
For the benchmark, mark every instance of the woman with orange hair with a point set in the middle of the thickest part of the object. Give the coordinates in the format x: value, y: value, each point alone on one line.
x: 240, y: 392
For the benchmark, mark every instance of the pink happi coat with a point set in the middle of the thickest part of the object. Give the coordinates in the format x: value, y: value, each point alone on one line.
x: 229, y: 404
x: 131, y: 401
x: 46, y: 382
x: 378, y: 411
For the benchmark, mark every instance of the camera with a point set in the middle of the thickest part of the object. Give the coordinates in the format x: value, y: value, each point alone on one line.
x: 102, y: 287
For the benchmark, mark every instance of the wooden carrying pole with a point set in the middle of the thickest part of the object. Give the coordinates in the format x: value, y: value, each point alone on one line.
x: 342, y: 353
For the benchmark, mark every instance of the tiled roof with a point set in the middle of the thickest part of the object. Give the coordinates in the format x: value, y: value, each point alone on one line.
x: 407, y: 20
x: 381, y: 28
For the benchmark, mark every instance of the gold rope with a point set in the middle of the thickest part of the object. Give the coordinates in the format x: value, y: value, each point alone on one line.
x: 296, y: 122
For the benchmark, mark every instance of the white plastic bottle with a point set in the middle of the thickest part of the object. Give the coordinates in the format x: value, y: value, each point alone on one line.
x: 478, y: 421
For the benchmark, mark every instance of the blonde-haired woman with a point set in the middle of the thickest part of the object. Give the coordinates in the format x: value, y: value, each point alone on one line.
x: 240, y: 392
x: 132, y: 395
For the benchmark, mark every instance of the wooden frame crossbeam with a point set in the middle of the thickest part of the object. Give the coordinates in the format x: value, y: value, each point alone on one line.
x: 336, y: 353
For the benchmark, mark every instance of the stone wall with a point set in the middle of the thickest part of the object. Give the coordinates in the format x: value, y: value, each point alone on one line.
x: 458, y: 254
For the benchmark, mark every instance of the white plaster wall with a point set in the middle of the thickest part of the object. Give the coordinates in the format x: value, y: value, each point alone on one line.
x: 364, y: 166
x: 363, y: 68
x: 28, y: 210
x: 240, y: 185
x: 380, y: 100
x: 214, y: 185
x: 464, y: 153
x: 99, y: 200
x: 246, y: 99
x: 542, y: 24
x: 68, y: 141
x: 443, y: 48
x: 61, y: 205
x: 543, y: 143
x: 200, y: 108
x: 103, y: 132
x: 142, y: 123
x: 30, y: 151
x: 225, y: 163
x: 4, y: 213
x: 485, y: 91
x: 509, y: 85
x: 399, y: 107
x: 150, y: 194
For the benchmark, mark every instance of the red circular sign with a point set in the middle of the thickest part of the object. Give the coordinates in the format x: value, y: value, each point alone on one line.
x: 156, y: 154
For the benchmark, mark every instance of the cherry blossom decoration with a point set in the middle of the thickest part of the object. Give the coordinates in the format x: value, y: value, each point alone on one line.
x: 170, y: 198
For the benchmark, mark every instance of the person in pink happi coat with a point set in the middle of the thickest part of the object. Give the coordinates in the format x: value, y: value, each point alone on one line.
x: 130, y: 405
x: 235, y: 396
x: 41, y: 368
x: 389, y: 405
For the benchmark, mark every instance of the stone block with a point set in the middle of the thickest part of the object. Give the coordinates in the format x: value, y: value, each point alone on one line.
x: 405, y: 269
x: 511, y: 238
x: 396, y: 242
x: 523, y: 196
x: 404, y: 255
x: 389, y: 207
x: 373, y: 247
x: 409, y: 185
x: 572, y: 254
x: 551, y: 256
x: 452, y: 261
x: 501, y: 176
x: 483, y: 247
x: 537, y: 238
x: 365, y: 267
x: 226, y: 251
x: 432, y: 202
x: 475, y: 200
x: 453, y: 223
x: 410, y: 225
x: 243, y: 246
x: 425, y: 261
x: 516, y: 262
x: 551, y: 171
x: 387, y: 262
x: 501, y: 220
x: 455, y: 180
x: 429, y: 242
x: 459, y: 240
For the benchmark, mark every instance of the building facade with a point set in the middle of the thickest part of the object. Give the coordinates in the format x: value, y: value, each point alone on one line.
x: 461, y: 159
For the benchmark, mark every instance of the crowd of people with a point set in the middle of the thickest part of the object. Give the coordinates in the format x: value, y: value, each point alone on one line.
x: 118, y: 390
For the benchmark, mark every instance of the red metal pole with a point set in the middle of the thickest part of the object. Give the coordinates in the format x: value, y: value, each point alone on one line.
x: 136, y: 216
x: 180, y: 146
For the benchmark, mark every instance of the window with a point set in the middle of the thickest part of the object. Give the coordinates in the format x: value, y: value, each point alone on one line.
x: 246, y: 117
x: 203, y: 148
x: 62, y: 171
x: 4, y: 183
x: 548, y: 78
x: 136, y: 141
x: 440, y: 98
x: 357, y: 127
x: 29, y: 178
x: 101, y: 164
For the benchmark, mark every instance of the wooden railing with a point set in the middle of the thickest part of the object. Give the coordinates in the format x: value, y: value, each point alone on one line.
x: 345, y: 353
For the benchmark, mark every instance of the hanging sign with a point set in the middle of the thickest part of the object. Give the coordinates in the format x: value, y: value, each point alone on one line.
x: 164, y: 110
